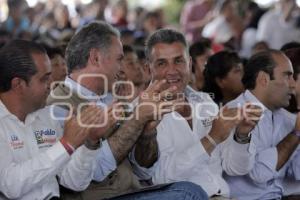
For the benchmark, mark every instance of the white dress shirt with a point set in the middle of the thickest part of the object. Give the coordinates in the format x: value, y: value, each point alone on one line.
x: 264, y: 181
x: 106, y: 162
x: 182, y: 156
x: 31, y: 157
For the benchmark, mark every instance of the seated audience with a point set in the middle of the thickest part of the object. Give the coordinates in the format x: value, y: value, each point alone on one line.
x: 223, y: 73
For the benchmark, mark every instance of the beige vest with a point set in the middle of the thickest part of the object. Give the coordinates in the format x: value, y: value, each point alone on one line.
x: 121, y: 181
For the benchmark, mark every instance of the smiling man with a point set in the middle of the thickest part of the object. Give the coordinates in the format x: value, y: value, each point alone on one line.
x: 194, y: 147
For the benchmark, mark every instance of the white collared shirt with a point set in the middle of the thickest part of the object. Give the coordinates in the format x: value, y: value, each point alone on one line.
x: 264, y: 181
x: 31, y: 158
x: 182, y: 156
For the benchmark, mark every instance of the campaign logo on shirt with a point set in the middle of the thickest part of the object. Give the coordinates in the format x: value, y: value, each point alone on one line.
x: 207, y: 122
x: 45, y: 138
x: 16, y: 143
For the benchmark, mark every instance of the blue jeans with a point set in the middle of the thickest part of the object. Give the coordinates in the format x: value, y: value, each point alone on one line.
x: 175, y: 191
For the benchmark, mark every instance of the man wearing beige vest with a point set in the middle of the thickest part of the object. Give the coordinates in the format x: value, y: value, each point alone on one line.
x: 94, y: 56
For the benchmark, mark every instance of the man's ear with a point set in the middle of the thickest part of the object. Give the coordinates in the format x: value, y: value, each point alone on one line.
x: 17, y: 84
x: 94, y: 57
x: 263, y: 79
x: 219, y: 82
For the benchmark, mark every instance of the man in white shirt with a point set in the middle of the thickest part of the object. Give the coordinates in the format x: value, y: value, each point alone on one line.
x: 194, y: 147
x: 269, y: 82
x: 33, y: 148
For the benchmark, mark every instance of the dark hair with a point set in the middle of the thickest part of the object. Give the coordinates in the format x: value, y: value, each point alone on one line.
x: 167, y: 36
x: 218, y: 66
x: 290, y: 45
x: 257, y: 13
x: 128, y: 49
x: 53, y: 51
x: 198, y: 49
x: 94, y: 35
x: 16, y: 61
x: 262, y: 61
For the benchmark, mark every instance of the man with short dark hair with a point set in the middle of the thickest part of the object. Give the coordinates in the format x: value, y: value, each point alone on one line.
x: 34, y: 150
x: 269, y: 82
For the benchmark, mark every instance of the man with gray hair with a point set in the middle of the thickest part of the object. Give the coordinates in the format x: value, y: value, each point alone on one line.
x: 194, y: 144
x: 94, y: 56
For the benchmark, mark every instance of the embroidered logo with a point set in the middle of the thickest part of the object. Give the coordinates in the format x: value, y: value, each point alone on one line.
x: 47, y: 136
x: 207, y: 122
x: 16, y: 143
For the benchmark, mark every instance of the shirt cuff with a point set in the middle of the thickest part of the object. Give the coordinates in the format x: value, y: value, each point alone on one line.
x: 58, y: 154
x: 106, y: 162
x: 241, y: 149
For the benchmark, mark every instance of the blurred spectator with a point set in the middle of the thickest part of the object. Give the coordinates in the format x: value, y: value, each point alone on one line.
x: 101, y: 6
x: 259, y: 46
x: 194, y: 16
x: 5, y: 37
x: 200, y: 52
x: 58, y: 63
x: 227, y: 26
x: 278, y: 26
x: 119, y: 13
x: 16, y: 21
x: 127, y: 36
x: 223, y: 74
x: 132, y: 71
x: 146, y: 69
x: 151, y: 23
x: 252, y: 16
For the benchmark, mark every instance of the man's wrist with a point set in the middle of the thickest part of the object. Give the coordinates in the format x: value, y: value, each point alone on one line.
x: 69, y: 148
x: 242, y: 139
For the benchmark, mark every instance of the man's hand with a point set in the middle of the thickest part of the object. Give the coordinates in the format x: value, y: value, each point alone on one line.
x: 107, y: 119
x: 228, y: 118
x: 154, y: 102
x: 77, y: 128
x: 251, y: 116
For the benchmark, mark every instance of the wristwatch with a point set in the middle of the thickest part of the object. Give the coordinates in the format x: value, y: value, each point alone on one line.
x: 242, y: 140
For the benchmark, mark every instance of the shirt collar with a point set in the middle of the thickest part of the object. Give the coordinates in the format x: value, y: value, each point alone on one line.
x: 250, y: 97
x: 88, y: 94
x: 3, y: 110
x: 5, y: 113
